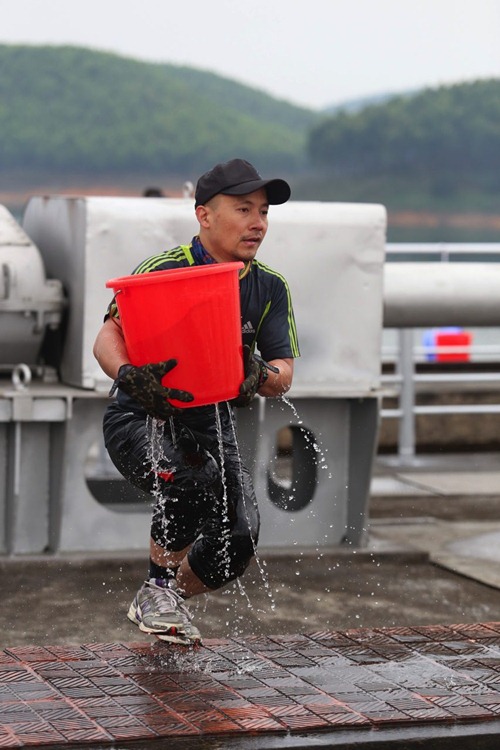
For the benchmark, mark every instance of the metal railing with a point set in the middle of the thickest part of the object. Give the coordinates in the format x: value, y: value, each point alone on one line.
x: 406, y: 379
x: 443, y: 252
x: 407, y: 353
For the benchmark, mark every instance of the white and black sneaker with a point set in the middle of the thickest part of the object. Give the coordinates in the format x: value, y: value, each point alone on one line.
x: 159, y: 609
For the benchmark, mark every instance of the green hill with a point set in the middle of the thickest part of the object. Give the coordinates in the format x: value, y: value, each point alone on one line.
x: 67, y: 110
x: 439, y: 148
x: 81, y: 118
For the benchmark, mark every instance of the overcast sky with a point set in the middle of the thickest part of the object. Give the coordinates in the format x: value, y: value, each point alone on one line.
x: 310, y: 52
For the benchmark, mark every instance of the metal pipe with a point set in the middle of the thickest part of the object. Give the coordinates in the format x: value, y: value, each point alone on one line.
x: 406, y: 437
x: 441, y: 294
x: 443, y: 250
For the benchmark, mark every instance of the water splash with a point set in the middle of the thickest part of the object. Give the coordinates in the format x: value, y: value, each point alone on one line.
x: 315, y: 445
x: 260, y: 564
x: 226, y: 530
x: 158, y: 463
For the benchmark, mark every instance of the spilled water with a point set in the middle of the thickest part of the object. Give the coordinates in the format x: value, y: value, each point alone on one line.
x: 238, y: 624
x: 260, y: 563
x: 226, y: 532
x: 318, y: 450
x: 160, y: 464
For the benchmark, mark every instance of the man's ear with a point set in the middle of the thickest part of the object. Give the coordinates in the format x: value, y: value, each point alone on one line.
x: 203, y: 216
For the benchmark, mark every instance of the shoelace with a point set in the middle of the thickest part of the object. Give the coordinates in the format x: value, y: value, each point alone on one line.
x: 159, y: 593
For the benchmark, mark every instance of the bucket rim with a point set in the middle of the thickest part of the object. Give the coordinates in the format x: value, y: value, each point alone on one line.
x: 155, y: 277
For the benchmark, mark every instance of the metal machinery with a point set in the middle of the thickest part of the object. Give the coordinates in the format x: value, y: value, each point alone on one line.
x: 30, y: 307
x: 29, y: 303
x: 311, y: 455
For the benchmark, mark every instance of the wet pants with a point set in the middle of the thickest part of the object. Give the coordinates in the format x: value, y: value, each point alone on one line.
x: 203, y: 496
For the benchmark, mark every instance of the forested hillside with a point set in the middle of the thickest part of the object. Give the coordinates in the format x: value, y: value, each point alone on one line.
x: 440, y: 144
x: 72, y: 116
x: 72, y: 110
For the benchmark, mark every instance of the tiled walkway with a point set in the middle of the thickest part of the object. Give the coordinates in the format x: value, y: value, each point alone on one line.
x: 316, y: 684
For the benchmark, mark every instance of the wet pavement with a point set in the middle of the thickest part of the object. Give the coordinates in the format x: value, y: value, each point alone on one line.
x: 326, y: 688
x: 398, y: 642
x: 447, y: 506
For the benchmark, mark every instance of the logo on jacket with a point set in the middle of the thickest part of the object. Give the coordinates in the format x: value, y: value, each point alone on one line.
x: 247, y: 328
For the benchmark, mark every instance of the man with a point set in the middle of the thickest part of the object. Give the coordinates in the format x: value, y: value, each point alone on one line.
x: 205, y: 522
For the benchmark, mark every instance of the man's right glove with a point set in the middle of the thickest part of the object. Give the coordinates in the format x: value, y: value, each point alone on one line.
x: 255, y: 376
x: 143, y: 384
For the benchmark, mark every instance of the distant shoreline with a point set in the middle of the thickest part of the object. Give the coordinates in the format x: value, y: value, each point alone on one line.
x: 14, y: 200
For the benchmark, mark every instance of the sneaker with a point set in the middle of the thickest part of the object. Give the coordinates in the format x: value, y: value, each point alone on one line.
x: 158, y: 609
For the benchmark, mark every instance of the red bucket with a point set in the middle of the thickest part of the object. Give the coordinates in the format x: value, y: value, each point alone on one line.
x: 189, y: 314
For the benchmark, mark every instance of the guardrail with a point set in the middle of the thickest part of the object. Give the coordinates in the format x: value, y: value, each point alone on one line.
x: 406, y: 379
x: 406, y: 354
x: 444, y: 252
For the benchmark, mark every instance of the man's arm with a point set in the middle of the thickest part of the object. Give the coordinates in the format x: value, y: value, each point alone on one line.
x: 109, y: 348
x: 277, y: 384
x: 111, y: 353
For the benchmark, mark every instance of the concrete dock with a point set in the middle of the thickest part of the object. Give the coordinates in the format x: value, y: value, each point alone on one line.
x: 396, y: 644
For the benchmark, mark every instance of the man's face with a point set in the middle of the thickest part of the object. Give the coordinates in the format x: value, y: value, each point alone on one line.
x: 233, y: 226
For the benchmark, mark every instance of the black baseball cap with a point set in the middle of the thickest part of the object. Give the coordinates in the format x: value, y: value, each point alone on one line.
x: 238, y: 177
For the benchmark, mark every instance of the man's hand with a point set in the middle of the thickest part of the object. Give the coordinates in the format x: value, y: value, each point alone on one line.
x: 255, y: 376
x: 143, y: 384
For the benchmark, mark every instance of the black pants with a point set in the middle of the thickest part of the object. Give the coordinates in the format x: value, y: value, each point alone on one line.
x: 203, y: 495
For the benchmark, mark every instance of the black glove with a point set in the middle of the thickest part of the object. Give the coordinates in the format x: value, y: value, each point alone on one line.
x: 255, y: 375
x: 144, y: 385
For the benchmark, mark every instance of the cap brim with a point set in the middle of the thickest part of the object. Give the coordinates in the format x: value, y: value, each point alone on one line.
x: 278, y: 191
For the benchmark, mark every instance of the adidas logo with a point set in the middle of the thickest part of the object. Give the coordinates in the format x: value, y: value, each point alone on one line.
x: 247, y: 328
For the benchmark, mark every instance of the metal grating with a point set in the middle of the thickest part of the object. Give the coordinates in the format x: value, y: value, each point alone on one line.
x: 104, y: 693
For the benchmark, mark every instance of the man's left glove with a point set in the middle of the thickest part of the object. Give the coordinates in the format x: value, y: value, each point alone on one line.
x: 143, y: 384
x: 255, y: 375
